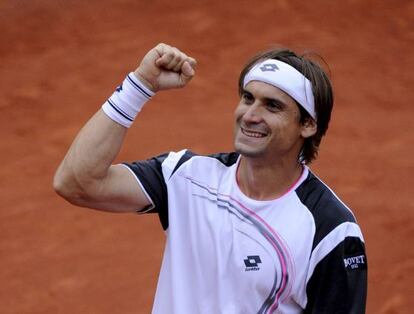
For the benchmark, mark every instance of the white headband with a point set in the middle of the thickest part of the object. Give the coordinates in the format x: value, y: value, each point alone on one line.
x: 287, y: 78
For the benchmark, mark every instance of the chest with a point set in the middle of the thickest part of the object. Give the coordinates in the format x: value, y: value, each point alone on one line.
x: 246, y: 248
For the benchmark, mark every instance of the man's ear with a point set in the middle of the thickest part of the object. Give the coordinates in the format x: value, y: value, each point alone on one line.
x: 309, y: 128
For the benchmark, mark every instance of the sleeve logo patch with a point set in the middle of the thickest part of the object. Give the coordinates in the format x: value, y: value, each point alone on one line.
x: 355, y: 262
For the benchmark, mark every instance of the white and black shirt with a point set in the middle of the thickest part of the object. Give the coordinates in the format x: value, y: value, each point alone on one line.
x: 227, y: 253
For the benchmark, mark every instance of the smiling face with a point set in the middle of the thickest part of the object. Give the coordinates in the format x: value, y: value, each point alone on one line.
x: 267, y: 124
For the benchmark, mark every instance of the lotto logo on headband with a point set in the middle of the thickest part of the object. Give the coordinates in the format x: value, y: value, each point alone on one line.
x: 269, y: 67
x: 287, y: 78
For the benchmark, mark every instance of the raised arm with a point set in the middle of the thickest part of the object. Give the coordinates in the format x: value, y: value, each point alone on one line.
x: 86, y: 176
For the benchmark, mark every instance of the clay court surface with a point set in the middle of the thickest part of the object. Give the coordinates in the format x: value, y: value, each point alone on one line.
x: 60, y: 60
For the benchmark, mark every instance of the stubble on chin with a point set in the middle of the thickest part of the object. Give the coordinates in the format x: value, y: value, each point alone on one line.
x: 242, y: 148
x: 247, y: 151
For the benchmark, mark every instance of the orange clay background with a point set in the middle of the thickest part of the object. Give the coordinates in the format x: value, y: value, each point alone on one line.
x: 60, y: 60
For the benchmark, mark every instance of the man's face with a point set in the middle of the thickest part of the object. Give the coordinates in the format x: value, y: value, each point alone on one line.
x: 267, y: 123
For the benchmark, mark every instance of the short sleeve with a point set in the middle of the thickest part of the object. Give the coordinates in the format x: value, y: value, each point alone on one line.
x: 338, y: 283
x: 150, y: 176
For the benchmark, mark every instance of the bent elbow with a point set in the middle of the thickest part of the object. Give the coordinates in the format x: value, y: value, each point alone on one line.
x: 67, y: 187
x: 59, y: 186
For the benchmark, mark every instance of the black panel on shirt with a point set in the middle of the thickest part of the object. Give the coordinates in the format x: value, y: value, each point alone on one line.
x: 339, y: 282
x: 187, y: 156
x: 228, y: 159
x: 328, y: 212
x: 149, y: 173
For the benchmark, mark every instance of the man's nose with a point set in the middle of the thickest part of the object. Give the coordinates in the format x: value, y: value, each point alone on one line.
x: 253, y: 113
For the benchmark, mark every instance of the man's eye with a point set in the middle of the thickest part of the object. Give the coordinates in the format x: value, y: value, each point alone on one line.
x: 247, y: 97
x: 273, y: 106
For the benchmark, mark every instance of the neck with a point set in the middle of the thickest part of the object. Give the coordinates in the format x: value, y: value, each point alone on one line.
x: 266, y: 181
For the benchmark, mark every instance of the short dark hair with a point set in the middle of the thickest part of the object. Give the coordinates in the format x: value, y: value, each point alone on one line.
x: 321, y: 88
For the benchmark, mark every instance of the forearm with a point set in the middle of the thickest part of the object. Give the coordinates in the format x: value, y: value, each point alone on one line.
x: 84, y: 172
x: 86, y: 176
x: 91, y: 154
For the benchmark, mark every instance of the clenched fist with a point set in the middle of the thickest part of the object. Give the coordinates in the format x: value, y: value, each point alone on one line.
x: 165, y: 67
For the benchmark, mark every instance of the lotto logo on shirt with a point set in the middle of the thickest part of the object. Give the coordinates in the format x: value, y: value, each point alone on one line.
x: 355, y: 262
x: 252, y: 262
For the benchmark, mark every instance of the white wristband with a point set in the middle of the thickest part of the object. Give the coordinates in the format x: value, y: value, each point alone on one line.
x: 127, y: 101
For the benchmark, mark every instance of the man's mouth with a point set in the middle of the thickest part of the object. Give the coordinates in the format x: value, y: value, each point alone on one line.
x: 251, y: 133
